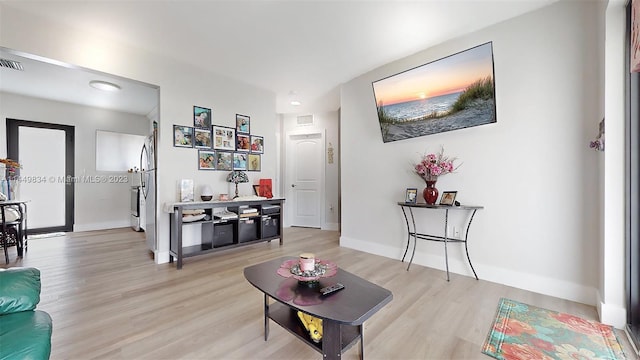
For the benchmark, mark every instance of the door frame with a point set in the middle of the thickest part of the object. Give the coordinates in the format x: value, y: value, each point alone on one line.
x: 287, y: 180
x: 13, y: 153
x: 632, y: 193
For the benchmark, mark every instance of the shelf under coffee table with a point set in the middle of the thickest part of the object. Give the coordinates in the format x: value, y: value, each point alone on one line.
x: 343, y: 313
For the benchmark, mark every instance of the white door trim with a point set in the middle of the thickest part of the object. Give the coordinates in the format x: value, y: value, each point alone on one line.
x: 286, y: 177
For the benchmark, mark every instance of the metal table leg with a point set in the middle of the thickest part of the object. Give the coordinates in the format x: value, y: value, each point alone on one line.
x: 466, y: 235
x: 266, y: 317
x: 445, y: 239
x: 415, y: 238
x: 5, y: 235
x: 408, y: 232
x: 24, y: 221
x: 446, y: 255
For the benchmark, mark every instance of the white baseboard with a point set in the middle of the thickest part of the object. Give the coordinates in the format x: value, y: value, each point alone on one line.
x: 611, y: 314
x: 161, y: 257
x: 458, y: 264
x: 102, y: 226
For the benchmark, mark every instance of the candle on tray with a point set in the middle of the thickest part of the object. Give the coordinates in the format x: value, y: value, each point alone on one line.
x: 307, y: 262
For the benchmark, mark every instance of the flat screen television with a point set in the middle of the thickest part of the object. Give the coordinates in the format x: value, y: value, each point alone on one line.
x: 451, y: 93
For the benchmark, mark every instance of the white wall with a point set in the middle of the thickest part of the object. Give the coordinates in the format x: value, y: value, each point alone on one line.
x: 97, y: 206
x: 181, y: 87
x: 532, y: 170
x: 328, y: 123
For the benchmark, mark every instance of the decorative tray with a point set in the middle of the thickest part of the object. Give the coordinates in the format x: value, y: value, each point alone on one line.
x: 322, y: 268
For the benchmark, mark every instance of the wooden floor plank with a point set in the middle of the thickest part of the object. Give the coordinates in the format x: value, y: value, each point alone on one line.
x: 109, y: 300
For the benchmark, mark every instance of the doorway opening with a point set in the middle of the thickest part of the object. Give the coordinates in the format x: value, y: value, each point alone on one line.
x: 46, y: 182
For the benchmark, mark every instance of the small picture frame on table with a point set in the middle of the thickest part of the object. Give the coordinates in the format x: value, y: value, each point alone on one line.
x: 411, y: 196
x: 186, y: 190
x: 448, y: 198
x: 256, y: 189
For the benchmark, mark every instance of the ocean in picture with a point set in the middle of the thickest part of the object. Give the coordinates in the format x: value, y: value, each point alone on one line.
x: 411, y: 119
x: 416, y: 109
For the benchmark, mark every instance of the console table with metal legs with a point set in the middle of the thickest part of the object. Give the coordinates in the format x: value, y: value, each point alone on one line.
x: 412, y: 232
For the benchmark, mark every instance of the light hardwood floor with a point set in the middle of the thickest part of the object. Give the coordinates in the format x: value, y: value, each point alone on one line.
x: 108, y: 300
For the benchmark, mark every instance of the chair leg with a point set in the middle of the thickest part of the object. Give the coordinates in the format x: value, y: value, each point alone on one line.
x: 5, y: 245
x: 19, y: 240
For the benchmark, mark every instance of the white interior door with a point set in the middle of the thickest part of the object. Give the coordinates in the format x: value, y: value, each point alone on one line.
x: 42, y: 154
x: 305, y: 174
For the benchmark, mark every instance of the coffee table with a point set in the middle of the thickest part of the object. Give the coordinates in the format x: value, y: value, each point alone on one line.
x: 343, y: 313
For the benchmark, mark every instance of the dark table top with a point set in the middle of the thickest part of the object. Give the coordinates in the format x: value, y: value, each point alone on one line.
x: 352, y: 305
x: 444, y: 207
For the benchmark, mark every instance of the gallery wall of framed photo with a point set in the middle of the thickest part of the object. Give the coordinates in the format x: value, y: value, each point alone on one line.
x: 221, y: 147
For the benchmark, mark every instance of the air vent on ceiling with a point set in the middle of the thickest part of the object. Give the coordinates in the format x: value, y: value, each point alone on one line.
x: 305, y: 120
x: 10, y: 64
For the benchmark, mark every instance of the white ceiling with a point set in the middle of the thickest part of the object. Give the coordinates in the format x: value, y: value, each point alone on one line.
x: 300, y: 50
x: 42, y: 78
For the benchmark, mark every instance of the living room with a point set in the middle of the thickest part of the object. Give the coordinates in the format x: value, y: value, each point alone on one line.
x: 553, y: 221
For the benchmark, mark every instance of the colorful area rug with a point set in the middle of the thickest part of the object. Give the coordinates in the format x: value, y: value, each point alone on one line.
x: 522, y: 331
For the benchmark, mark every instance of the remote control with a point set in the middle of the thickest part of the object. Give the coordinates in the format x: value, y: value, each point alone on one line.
x: 331, y: 289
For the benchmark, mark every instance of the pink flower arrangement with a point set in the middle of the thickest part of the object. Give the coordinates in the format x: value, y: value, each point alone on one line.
x: 433, y: 165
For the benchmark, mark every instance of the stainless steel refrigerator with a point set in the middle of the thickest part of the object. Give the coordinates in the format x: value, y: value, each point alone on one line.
x: 148, y: 189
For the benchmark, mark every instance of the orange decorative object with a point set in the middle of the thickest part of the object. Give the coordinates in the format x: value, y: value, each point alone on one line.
x: 265, y: 188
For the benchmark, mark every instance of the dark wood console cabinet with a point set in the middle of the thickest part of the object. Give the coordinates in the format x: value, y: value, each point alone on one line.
x: 218, y: 234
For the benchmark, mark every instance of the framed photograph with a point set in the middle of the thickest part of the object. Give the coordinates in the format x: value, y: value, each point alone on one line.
x: 242, y: 123
x: 182, y: 136
x: 202, y: 138
x: 256, y: 189
x: 243, y: 142
x: 224, y: 160
x: 224, y: 138
x: 239, y: 161
x: 257, y: 144
x: 186, y: 190
x: 411, y: 196
x: 201, y: 118
x: 206, y: 160
x: 253, y: 162
x: 448, y: 198
x: 438, y: 96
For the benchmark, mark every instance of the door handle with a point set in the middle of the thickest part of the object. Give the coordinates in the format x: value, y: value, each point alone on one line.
x: 293, y: 185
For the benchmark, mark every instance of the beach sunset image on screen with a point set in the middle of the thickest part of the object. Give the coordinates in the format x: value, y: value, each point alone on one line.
x: 452, y: 93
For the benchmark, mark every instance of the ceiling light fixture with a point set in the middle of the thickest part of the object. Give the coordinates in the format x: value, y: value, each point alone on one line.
x: 104, y: 85
x: 295, y: 103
